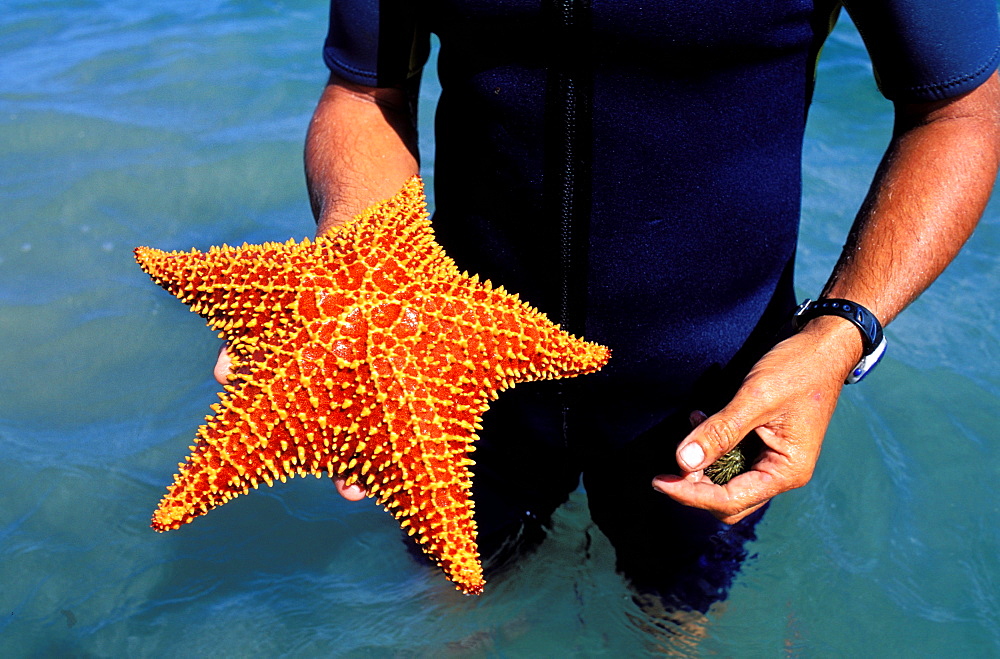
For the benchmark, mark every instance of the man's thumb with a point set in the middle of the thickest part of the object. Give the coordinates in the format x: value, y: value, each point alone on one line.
x: 223, y: 366
x: 713, y: 438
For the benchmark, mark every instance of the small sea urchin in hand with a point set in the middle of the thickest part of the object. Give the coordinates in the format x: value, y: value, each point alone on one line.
x: 365, y: 354
x: 728, y: 467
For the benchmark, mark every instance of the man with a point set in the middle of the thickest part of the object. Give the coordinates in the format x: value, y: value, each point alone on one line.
x: 632, y: 169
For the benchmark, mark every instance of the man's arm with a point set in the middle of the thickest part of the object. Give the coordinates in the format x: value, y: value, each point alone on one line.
x: 361, y: 148
x: 928, y: 194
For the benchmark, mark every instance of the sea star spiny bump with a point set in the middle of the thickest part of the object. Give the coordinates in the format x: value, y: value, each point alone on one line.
x: 365, y: 354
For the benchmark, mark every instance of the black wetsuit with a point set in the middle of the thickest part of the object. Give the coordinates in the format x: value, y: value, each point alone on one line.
x: 633, y: 169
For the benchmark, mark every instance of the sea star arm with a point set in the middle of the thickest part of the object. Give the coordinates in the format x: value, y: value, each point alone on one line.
x: 301, y: 408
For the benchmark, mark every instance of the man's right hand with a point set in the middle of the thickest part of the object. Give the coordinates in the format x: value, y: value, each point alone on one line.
x: 360, y: 148
x: 222, y: 371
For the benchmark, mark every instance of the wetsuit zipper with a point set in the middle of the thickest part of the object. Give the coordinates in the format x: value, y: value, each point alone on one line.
x: 567, y: 183
x: 568, y: 160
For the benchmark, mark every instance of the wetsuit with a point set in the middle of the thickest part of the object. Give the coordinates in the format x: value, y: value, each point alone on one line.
x: 633, y: 169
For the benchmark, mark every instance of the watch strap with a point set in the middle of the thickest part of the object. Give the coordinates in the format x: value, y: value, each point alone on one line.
x: 872, y: 336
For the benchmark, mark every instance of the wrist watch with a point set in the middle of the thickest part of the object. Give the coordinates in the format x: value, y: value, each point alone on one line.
x: 872, y: 335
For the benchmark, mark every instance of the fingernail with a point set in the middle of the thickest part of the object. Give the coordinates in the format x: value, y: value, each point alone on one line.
x: 691, y: 456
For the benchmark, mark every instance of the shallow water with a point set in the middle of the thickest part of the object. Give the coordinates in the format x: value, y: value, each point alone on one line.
x: 180, y: 124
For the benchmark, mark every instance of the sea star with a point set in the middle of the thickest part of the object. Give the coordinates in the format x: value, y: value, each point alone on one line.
x: 365, y: 354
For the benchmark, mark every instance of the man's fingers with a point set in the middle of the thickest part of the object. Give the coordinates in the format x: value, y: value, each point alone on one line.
x: 223, y: 366
x: 729, y: 503
x: 696, y: 418
x: 350, y: 492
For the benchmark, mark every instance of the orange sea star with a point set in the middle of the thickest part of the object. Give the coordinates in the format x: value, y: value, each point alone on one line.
x: 365, y: 354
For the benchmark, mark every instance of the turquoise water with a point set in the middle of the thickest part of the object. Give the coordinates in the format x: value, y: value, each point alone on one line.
x: 180, y: 124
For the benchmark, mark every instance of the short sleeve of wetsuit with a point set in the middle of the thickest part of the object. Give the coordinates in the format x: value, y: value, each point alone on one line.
x: 926, y: 50
x: 378, y: 43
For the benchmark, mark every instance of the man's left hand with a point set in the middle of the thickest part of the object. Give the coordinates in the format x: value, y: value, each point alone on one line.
x: 788, y: 399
